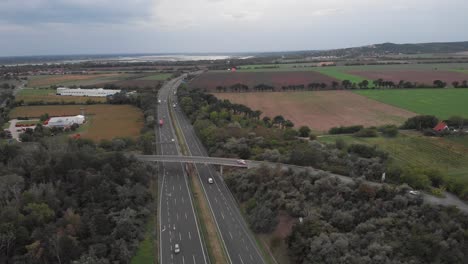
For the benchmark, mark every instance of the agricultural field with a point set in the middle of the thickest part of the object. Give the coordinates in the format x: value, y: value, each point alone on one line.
x: 209, y: 81
x: 321, y: 110
x: 103, y: 121
x: 72, y: 79
x: 419, y: 76
x: 29, y: 95
x: 341, y: 74
x: 442, y: 103
x: 157, y: 77
x: 446, y: 154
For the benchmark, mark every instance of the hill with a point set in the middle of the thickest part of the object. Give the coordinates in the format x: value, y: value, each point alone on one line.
x: 385, y: 49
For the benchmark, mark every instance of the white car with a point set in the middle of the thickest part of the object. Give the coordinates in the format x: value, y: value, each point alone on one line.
x: 242, y: 162
x: 176, y: 248
x: 174, y: 105
x: 210, y: 180
x: 413, y: 192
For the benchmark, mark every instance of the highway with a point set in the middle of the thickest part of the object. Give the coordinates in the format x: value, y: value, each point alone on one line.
x: 177, y: 221
x: 240, y: 244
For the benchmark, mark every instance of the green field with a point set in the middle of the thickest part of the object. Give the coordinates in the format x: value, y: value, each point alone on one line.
x: 341, y: 75
x: 48, y: 95
x: 157, y: 77
x: 449, y: 155
x: 442, y: 103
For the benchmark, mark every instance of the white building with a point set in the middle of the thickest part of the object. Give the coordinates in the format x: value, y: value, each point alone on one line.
x: 65, y: 121
x: 86, y: 92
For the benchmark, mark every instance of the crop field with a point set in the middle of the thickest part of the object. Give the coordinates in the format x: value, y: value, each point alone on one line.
x: 444, y: 154
x: 72, y: 79
x: 442, y: 103
x: 48, y: 96
x: 211, y: 80
x: 157, y: 77
x: 105, y: 121
x: 418, y: 76
x: 341, y: 74
x: 321, y: 110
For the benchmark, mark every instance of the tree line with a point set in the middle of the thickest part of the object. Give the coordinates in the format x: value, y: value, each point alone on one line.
x: 334, y: 85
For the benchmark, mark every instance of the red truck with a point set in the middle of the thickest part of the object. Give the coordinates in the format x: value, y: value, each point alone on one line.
x: 161, y: 122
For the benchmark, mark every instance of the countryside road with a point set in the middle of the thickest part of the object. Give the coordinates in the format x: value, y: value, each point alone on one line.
x: 177, y: 221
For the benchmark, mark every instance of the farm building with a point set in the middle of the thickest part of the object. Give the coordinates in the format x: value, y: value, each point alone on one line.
x: 86, y: 92
x: 441, y: 127
x: 65, y: 121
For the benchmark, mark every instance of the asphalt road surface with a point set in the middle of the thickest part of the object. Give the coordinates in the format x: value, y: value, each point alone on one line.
x: 177, y: 221
x: 235, y: 234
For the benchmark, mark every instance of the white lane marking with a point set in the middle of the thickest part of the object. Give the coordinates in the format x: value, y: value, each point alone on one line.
x: 183, y: 199
x: 177, y: 216
x: 183, y: 260
x: 175, y: 201
x: 164, y: 229
x: 230, y: 234
x: 180, y: 187
x: 185, y: 215
x: 241, y: 259
x: 180, y: 236
x: 222, y: 215
x: 251, y: 257
x: 190, y: 235
x: 194, y: 261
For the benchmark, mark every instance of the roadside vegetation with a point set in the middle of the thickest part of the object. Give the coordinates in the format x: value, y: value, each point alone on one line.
x: 336, y: 222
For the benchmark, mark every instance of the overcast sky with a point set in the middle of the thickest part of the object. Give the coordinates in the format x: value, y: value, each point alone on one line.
x: 39, y: 27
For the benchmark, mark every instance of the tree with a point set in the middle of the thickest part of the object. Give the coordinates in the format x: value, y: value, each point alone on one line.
x: 187, y: 105
x: 439, y: 84
x: 335, y: 84
x: 304, y: 131
x: 278, y: 120
x: 346, y: 84
x: 455, y: 84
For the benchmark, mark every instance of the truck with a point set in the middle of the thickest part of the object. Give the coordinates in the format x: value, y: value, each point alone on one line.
x: 161, y: 122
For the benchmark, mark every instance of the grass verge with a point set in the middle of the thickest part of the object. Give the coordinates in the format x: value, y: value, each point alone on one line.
x: 147, y: 252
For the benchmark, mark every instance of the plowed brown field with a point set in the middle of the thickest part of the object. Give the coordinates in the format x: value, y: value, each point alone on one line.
x: 211, y: 80
x: 323, y: 109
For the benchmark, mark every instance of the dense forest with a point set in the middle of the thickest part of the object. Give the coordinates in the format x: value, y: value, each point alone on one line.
x: 350, y: 222
x: 71, y: 203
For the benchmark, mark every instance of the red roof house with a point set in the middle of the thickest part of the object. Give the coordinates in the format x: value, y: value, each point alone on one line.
x: 440, y: 127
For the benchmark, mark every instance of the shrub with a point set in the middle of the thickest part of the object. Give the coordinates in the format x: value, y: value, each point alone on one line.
x: 389, y: 130
x: 344, y: 130
x: 366, y: 132
x: 420, y: 122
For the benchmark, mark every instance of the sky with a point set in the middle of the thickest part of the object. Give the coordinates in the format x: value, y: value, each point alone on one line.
x: 51, y: 27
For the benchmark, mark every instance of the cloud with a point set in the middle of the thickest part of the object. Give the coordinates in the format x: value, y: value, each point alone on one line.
x: 93, y: 26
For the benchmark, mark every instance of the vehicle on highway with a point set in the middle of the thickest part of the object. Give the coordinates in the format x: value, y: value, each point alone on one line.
x: 210, y: 180
x: 241, y: 162
x: 176, y: 248
x: 159, y: 101
x: 174, y: 105
x: 161, y: 122
x: 413, y: 192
